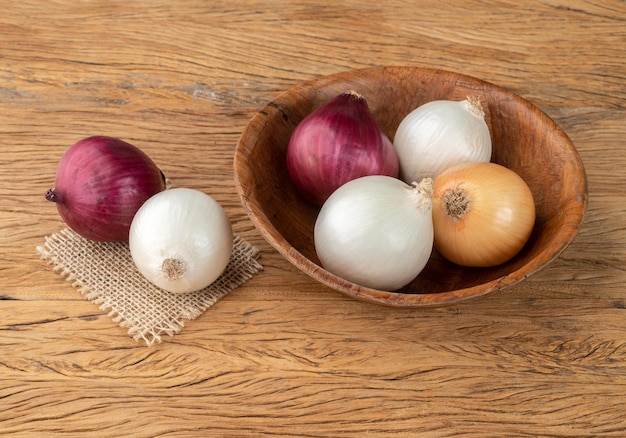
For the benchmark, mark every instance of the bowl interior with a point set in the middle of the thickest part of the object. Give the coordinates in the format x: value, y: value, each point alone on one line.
x: 524, y: 139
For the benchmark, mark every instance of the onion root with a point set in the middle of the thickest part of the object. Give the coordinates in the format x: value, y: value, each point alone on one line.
x: 173, y: 268
x: 456, y: 203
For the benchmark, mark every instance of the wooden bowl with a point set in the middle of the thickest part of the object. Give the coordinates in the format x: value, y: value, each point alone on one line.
x: 524, y: 139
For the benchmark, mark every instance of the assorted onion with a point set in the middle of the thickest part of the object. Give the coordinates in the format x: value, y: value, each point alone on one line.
x: 100, y: 184
x: 181, y: 240
x: 376, y: 231
x: 440, y: 134
x: 379, y: 231
x: 336, y: 143
x: 376, y: 228
x: 483, y: 214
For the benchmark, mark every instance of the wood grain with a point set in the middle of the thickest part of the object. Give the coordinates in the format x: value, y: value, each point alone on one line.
x: 283, y: 355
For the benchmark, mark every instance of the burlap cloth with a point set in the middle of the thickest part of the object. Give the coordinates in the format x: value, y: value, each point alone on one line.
x: 105, y: 274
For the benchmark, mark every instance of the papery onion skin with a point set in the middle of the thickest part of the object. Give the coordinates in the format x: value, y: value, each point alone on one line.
x: 376, y: 231
x: 440, y: 134
x: 336, y: 143
x: 100, y: 184
x: 483, y: 214
x: 181, y: 240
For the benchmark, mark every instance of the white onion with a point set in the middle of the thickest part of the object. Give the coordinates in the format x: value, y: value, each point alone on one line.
x: 181, y: 240
x: 440, y: 134
x: 376, y: 231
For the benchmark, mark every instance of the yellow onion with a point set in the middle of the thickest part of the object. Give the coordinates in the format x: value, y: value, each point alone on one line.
x: 483, y: 214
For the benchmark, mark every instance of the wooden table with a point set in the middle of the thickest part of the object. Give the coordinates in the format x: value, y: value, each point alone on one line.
x: 283, y: 355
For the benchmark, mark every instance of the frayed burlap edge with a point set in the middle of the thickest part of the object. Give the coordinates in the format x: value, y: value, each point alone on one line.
x: 104, y: 273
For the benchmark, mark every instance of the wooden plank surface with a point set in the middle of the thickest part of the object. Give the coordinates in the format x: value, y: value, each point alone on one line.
x: 283, y: 355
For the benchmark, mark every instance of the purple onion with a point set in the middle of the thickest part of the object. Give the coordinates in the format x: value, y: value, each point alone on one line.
x: 100, y: 184
x: 336, y: 143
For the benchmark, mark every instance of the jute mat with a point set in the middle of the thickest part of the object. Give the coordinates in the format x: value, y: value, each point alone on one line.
x: 105, y: 274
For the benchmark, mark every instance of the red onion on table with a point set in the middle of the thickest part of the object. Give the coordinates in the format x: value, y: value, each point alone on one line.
x: 100, y: 184
x: 336, y: 143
